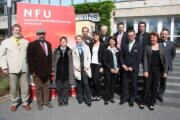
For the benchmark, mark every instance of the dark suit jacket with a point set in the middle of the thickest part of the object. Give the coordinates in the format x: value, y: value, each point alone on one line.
x: 108, y: 59
x: 88, y: 41
x: 147, y: 58
x: 171, y: 53
x: 39, y: 63
x: 124, y: 38
x: 146, y: 39
x: 100, y: 52
x: 106, y: 41
x: 132, y: 58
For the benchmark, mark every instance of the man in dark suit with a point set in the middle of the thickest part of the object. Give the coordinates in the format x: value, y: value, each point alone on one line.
x: 130, y: 58
x: 39, y: 58
x: 104, y: 35
x: 171, y: 53
x: 121, y: 35
x: 142, y: 36
x: 87, y: 40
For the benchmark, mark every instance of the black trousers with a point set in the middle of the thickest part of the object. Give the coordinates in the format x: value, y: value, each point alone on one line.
x: 95, y: 80
x: 63, y: 91
x: 162, y: 86
x: 129, y: 92
x: 151, y: 85
x: 110, y: 84
x: 83, y: 89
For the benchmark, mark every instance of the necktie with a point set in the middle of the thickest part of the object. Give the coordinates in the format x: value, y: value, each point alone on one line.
x: 43, y: 46
x: 119, y: 40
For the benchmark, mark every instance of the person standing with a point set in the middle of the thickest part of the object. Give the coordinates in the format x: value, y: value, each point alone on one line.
x: 39, y: 57
x: 13, y: 61
x: 105, y: 36
x: 86, y: 38
x: 155, y: 66
x: 96, y: 64
x: 111, y: 69
x: 142, y: 36
x: 130, y: 58
x: 82, y: 70
x: 171, y: 53
x: 63, y: 70
x: 120, y: 36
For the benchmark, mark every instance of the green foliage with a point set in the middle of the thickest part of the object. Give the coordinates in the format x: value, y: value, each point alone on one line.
x: 4, y: 83
x: 103, y: 8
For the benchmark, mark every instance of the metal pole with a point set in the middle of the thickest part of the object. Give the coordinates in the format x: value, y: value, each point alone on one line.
x: 9, y: 3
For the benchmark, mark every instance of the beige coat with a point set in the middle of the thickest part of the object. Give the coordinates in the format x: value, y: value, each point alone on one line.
x: 12, y: 57
x: 76, y: 62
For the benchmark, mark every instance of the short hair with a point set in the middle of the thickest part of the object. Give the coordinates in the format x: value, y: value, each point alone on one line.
x: 85, y: 28
x: 121, y: 23
x: 156, y: 35
x: 78, y: 36
x: 16, y: 25
x: 141, y: 23
x: 131, y: 31
x: 164, y: 29
x: 104, y: 26
x: 63, y: 37
x: 112, y: 38
x: 99, y: 34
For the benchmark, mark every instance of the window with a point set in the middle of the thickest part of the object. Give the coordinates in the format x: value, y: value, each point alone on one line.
x: 129, y: 25
x: 34, y: 1
x: 66, y: 2
x: 78, y: 1
x: 55, y: 2
x: 44, y: 1
x: 152, y: 25
x: 166, y: 23
x: 177, y: 31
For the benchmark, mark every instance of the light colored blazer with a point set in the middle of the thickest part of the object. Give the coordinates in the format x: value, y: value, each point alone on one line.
x: 12, y: 57
x: 76, y: 61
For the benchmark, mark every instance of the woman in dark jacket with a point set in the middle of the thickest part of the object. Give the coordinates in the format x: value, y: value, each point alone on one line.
x: 111, y: 69
x: 96, y: 64
x: 63, y: 70
x: 155, y: 66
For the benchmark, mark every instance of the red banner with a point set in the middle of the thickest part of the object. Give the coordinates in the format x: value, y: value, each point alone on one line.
x: 57, y: 21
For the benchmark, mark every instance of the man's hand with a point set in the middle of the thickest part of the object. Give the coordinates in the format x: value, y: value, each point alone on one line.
x: 112, y: 70
x: 125, y: 68
x: 165, y: 75
x: 146, y: 74
x: 130, y: 69
x: 101, y: 70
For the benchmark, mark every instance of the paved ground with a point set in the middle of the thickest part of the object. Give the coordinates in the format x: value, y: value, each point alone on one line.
x: 98, y: 111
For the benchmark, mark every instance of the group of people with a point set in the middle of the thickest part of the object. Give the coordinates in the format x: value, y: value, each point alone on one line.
x: 116, y: 57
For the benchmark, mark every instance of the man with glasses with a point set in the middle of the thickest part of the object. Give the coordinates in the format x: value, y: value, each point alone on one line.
x: 86, y: 38
x: 130, y: 58
x: 121, y: 35
x: 39, y: 57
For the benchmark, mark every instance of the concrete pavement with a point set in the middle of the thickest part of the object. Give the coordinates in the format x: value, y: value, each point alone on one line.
x: 98, y: 111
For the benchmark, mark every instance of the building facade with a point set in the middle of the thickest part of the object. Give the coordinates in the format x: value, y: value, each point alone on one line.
x: 157, y: 14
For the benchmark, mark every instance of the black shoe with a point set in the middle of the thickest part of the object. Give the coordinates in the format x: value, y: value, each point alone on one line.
x: 151, y: 107
x: 121, y: 103
x: 141, y: 106
x: 98, y: 98
x: 112, y: 101
x: 61, y: 104
x: 131, y: 103
x: 89, y: 104
x: 106, y: 103
x: 93, y: 99
x: 65, y: 104
x: 80, y: 102
x: 160, y: 98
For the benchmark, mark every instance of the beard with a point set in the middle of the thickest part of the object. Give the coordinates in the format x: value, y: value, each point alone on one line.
x: 17, y: 35
x: 42, y: 38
